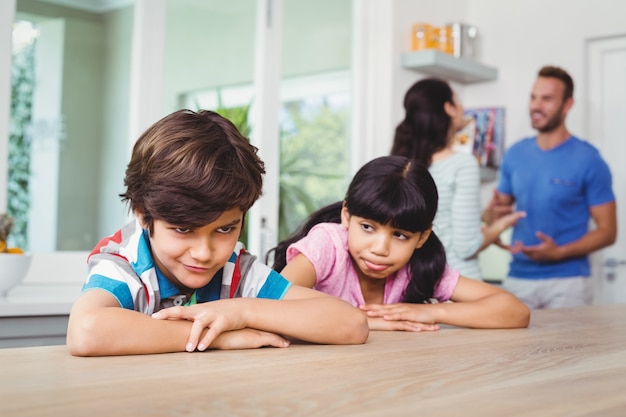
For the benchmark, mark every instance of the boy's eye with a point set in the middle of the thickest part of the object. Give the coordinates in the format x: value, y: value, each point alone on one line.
x: 182, y: 230
x: 225, y: 229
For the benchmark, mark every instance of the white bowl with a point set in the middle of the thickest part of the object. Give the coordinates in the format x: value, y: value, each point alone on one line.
x: 13, y: 269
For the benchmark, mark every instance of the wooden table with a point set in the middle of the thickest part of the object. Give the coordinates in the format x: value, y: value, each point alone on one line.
x: 569, y: 362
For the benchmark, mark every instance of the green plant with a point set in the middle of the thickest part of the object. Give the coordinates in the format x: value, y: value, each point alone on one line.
x: 313, y: 161
x: 22, y: 86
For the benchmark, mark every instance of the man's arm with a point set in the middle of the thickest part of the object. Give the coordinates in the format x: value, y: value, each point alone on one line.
x: 604, y: 234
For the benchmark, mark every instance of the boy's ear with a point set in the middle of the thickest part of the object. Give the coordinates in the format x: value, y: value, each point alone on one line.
x: 345, y: 216
x: 423, y: 238
x: 139, y: 216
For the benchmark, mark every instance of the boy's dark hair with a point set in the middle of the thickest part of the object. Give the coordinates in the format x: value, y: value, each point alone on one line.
x: 560, y: 74
x: 426, y: 124
x: 389, y: 190
x: 190, y: 167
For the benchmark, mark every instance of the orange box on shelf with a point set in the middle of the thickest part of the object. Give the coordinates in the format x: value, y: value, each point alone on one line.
x: 423, y: 37
x: 444, y: 40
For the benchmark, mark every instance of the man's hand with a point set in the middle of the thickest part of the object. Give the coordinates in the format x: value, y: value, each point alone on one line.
x: 546, y: 251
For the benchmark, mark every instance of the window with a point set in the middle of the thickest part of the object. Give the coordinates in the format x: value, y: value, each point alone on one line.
x: 314, y: 137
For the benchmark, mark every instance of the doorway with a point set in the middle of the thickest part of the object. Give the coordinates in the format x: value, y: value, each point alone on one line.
x: 606, y: 66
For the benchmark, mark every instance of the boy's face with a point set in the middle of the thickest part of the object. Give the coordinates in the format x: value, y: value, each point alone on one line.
x: 190, y: 257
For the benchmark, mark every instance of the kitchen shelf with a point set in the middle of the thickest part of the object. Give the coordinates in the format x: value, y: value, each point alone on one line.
x: 436, y: 63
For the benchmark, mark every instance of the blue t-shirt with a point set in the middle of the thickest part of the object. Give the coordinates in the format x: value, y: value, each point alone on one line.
x: 556, y: 188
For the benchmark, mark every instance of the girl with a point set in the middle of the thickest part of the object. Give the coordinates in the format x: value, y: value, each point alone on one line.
x: 377, y: 251
x: 434, y: 114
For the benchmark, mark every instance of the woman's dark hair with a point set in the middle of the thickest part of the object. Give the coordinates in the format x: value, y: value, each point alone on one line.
x: 389, y: 190
x: 426, y: 124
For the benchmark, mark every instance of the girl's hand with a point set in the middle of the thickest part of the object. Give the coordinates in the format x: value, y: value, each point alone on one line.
x: 401, y: 316
x: 216, y: 316
x: 249, y: 339
x: 378, y: 323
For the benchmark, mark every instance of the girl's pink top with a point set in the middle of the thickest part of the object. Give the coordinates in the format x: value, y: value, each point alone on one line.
x: 326, y: 247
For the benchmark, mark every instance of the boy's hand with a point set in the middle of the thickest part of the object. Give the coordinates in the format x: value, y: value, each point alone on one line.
x: 400, y: 316
x: 216, y: 316
x: 249, y: 339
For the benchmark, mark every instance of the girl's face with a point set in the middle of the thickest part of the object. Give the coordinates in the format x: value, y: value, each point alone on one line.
x: 379, y: 250
x: 191, y: 257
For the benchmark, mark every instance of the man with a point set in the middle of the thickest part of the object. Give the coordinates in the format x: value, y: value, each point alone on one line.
x: 561, y: 182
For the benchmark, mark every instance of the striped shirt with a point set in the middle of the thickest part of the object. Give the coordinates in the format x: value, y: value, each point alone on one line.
x: 122, y: 264
x: 457, y: 223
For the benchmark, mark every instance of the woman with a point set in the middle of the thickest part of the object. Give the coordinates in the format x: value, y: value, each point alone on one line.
x: 434, y: 114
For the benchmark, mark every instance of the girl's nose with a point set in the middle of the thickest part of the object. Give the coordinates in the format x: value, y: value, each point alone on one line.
x: 380, y: 245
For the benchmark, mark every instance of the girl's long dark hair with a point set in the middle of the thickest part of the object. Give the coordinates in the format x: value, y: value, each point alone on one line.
x: 426, y: 124
x: 389, y: 190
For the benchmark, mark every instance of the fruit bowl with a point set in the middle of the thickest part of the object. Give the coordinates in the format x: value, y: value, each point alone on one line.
x: 13, y: 269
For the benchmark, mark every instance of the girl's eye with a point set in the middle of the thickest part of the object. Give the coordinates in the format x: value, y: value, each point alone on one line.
x: 400, y: 236
x: 367, y: 227
x: 225, y: 230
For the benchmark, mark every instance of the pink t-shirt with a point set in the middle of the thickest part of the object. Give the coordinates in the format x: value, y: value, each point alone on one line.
x: 326, y: 247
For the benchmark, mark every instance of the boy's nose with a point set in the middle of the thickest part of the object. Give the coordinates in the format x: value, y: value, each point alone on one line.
x: 201, y: 250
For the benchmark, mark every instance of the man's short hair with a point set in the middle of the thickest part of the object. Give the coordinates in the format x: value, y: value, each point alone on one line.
x: 560, y: 74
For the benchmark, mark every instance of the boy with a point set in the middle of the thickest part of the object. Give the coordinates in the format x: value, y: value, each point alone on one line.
x: 191, y: 179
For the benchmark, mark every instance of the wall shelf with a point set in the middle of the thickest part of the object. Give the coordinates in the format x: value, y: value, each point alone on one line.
x: 436, y: 63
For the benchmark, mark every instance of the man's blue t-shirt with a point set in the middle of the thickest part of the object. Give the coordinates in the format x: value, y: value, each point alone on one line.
x: 556, y: 188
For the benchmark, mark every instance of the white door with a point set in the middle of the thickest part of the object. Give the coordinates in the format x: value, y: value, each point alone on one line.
x: 607, y: 112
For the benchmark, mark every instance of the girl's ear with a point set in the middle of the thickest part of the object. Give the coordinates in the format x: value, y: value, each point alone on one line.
x: 345, y: 216
x: 423, y: 238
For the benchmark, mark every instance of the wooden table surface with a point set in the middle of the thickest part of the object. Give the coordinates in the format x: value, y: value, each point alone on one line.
x: 569, y: 362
